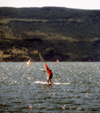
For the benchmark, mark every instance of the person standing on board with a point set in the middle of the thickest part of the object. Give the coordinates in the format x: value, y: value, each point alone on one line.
x: 49, y: 73
x: 50, y: 77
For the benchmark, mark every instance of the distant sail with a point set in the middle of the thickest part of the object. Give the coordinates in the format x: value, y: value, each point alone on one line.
x: 28, y: 63
x: 57, y: 61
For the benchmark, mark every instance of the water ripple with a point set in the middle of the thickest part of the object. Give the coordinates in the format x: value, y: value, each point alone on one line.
x: 76, y: 87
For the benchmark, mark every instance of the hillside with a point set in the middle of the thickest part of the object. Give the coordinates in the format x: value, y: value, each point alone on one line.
x: 57, y: 33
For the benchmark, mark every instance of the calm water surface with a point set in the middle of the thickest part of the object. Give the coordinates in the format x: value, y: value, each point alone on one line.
x: 23, y: 89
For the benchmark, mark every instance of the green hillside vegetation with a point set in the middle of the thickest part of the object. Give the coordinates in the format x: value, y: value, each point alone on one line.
x: 57, y: 33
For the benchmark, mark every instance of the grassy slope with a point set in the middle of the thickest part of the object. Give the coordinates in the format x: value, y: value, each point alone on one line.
x: 73, y: 37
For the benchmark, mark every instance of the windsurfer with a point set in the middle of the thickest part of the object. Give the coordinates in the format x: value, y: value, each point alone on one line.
x: 49, y: 73
x: 28, y: 63
x: 50, y: 76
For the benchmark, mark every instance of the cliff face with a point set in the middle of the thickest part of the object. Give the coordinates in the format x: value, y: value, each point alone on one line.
x: 57, y: 33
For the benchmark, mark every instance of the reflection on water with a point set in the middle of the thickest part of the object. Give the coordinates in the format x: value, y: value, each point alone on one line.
x: 75, y: 87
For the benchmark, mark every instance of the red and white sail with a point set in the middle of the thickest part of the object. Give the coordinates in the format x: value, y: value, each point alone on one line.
x: 57, y: 61
x: 28, y: 63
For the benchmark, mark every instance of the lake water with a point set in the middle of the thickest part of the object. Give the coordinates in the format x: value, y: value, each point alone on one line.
x: 76, y: 88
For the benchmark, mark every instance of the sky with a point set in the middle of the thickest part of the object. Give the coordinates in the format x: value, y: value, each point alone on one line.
x: 78, y: 4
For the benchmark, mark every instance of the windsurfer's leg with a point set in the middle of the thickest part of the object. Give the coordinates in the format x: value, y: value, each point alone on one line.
x: 48, y: 81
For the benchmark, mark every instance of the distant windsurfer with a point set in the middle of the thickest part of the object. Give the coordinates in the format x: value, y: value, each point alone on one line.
x: 57, y: 61
x: 49, y: 73
x: 28, y: 63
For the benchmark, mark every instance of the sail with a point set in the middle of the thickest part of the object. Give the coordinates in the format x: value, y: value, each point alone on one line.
x: 57, y: 61
x: 48, y: 70
x: 28, y: 63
